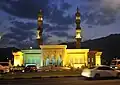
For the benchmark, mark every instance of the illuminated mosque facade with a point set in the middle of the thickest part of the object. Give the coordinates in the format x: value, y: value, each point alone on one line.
x: 58, y: 55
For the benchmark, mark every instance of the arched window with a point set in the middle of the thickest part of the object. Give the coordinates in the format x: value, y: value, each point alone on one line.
x: 59, y: 61
x: 53, y: 60
x: 47, y: 61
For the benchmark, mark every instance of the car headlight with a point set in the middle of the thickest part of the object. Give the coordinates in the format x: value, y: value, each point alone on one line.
x: 116, y: 67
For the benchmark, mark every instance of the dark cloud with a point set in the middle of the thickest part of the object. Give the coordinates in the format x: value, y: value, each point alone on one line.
x: 71, y: 37
x: 11, y: 18
x: 45, y: 37
x: 95, y: 13
x: 58, y: 28
x: 25, y: 8
x: 30, y: 8
x: 60, y: 34
x: 25, y: 26
x: 11, y: 36
x: 45, y: 26
x: 19, y: 34
x: 101, y: 18
x: 65, y: 6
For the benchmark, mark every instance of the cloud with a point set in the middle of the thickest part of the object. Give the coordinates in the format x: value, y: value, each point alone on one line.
x: 96, y: 12
x: 99, y: 17
x: 58, y: 28
x: 29, y: 9
x: 60, y: 34
x: 99, y: 31
x: 56, y: 39
x: 111, y: 4
x: 25, y: 26
x: 26, y: 9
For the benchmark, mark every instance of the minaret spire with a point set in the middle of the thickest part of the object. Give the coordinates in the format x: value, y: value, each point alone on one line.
x: 40, y: 29
x: 78, y: 28
x: 77, y: 9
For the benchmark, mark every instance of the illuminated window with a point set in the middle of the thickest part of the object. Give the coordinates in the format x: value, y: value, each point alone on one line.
x: 38, y: 36
x: 40, y: 19
x: 92, y: 60
x: 78, y: 18
x: 78, y: 35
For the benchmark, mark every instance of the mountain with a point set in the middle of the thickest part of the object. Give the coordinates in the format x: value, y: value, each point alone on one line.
x: 109, y: 45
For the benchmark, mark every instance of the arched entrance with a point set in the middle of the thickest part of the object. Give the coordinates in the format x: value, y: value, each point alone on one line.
x: 59, y: 60
x: 56, y: 54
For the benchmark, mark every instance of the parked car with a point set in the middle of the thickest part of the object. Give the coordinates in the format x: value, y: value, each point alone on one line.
x: 115, y: 64
x: 4, y: 69
x: 30, y: 68
x: 100, y: 71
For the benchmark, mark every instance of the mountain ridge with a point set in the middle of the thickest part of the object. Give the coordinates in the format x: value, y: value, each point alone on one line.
x: 109, y: 45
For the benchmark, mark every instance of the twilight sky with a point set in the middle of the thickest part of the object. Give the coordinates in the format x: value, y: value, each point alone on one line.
x: 18, y: 20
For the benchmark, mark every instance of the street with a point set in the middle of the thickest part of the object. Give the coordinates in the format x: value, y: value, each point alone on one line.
x: 59, y: 81
x: 40, y: 74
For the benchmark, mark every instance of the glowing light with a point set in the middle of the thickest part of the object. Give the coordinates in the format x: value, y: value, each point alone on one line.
x: 78, y: 33
x: 40, y: 19
x: 18, y: 58
x: 78, y: 18
x: 38, y: 36
x: 30, y: 47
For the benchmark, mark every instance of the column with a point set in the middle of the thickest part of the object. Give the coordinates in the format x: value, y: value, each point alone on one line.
x: 98, y: 58
x: 41, y: 59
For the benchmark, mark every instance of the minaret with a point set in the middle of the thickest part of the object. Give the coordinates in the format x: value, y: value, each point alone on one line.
x: 40, y: 29
x: 78, y: 29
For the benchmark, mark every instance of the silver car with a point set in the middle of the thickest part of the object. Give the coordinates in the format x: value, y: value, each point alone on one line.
x: 100, y: 71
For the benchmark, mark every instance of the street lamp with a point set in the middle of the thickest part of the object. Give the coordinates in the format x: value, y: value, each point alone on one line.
x: 30, y: 47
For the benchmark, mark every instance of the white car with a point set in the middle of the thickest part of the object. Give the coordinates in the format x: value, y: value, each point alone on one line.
x: 100, y: 71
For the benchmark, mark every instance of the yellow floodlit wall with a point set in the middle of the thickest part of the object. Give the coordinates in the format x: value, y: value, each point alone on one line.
x: 56, y: 50
x: 77, y: 57
x: 98, y: 58
x: 18, y: 58
x: 71, y: 57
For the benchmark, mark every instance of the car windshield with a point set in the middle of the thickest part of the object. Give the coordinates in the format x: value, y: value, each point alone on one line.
x: 113, y: 62
x: 118, y: 62
x: 31, y: 66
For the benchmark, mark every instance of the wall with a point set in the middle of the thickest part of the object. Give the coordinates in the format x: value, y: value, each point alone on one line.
x: 77, y: 57
x: 56, y: 51
x: 70, y: 57
x: 32, y: 56
x: 18, y: 58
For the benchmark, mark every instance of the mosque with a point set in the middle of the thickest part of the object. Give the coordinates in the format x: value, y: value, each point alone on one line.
x: 58, y: 55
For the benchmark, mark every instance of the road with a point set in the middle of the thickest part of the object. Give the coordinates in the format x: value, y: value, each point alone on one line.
x: 59, y: 81
x: 39, y: 74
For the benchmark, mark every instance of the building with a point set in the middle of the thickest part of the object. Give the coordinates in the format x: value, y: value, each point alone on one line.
x: 58, y: 54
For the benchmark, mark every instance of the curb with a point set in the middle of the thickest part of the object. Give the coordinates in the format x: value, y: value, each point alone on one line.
x: 39, y: 77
